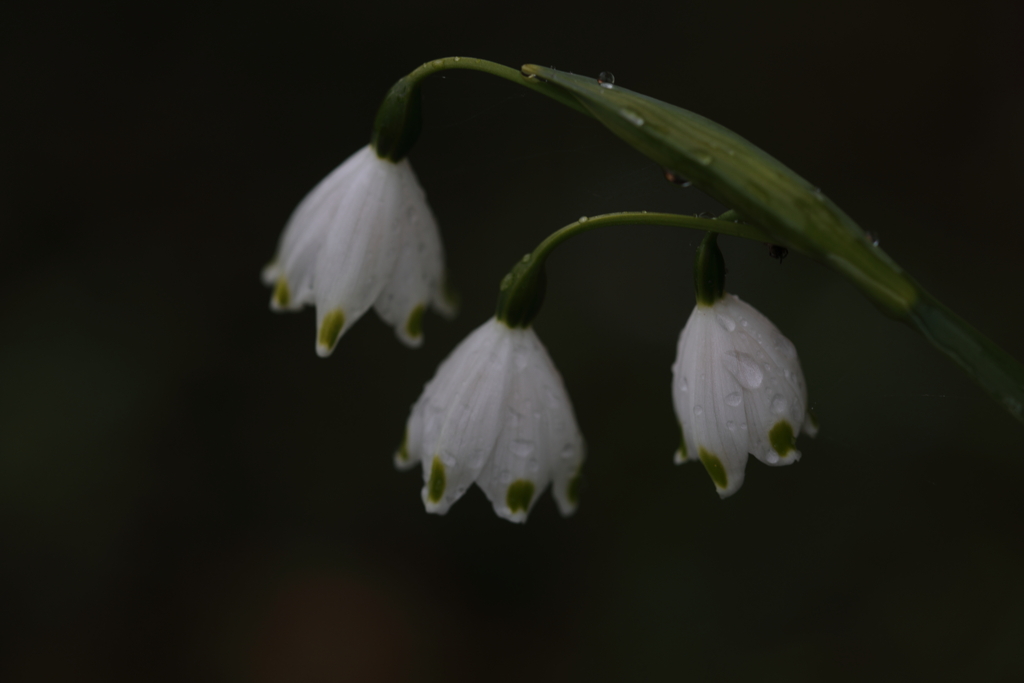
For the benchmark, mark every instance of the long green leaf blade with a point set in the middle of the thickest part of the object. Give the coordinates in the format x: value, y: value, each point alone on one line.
x: 794, y: 213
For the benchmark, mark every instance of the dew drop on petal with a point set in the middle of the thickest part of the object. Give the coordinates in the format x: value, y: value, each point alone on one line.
x: 521, y: 448
x: 731, y: 425
x: 779, y: 404
x: 726, y: 322
x: 698, y: 410
x: 748, y: 372
x: 683, y: 386
x: 772, y: 457
x: 734, y: 399
x: 606, y: 79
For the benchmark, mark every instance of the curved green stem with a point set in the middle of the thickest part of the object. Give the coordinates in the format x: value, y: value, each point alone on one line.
x: 522, y: 290
x: 726, y: 226
x: 473, y: 64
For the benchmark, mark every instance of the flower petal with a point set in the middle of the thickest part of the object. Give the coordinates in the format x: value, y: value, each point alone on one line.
x: 457, y: 420
x: 306, y: 231
x: 419, y: 266
x: 359, y: 252
x: 539, y: 440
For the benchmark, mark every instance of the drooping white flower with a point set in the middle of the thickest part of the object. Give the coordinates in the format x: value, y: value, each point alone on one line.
x: 496, y: 413
x: 738, y: 389
x: 363, y: 237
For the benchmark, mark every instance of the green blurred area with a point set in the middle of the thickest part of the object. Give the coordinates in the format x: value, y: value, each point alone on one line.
x: 188, y: 493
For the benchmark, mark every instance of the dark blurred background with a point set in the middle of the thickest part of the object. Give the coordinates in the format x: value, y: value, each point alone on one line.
x: 187, y: 492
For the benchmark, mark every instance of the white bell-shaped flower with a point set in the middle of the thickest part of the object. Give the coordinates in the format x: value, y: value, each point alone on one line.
x: 363, y: 237
x: 738, y: 389
x: 496, y: 413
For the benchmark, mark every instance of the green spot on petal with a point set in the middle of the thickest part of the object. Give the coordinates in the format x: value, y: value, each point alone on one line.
x: 403, y: 450
x: 520, y: 493
x: 330, y: 328
x: 281, y: 293
x: 414, y: 325
x: 715, y: 468
x: 573, y: 491
x: 781, y: 438
x: 435, y: 486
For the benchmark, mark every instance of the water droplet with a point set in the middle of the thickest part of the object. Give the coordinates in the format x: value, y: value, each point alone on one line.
x: 521, y: 448
x: 606, y: 79
x: 734, y: 399
x: 726, y: 322
x: 743, y: 427
x: 632, y: 117
x: 567, y: 452
x: 786, y: 372
x: 779, y: 404
x: 448, y: 459
x: 704, y: 159
x: 582, y: 219
x: 684, y: 387
x: 438, y: 62
x: 772, y: 457
x: 744, y: 323
x: 748, y: 372
x: 731, y: 425
x: 698, y: 410
x: 458, y: 58
x: 675, y: 178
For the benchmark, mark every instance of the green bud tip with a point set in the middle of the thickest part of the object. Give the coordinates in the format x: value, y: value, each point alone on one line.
x: 398, y: 122
x: 522, y: 293
x: 709, y: 271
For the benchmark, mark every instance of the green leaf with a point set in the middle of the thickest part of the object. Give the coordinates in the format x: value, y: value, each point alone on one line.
x: 745, y: 178
x: 794, y: 213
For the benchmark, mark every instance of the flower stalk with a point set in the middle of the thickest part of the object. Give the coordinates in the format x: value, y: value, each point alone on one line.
x: 522, y: 290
